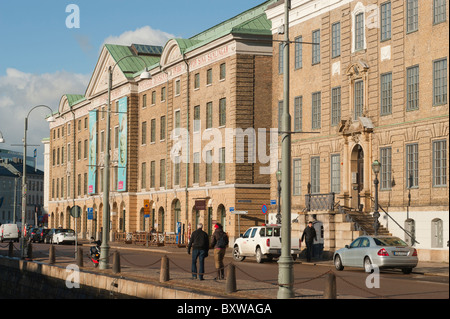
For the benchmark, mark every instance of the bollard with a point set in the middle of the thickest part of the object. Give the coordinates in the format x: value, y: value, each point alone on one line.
x: 80, y: 257
x: 29, y: 253
x: 164, y: 273
x: 330, y: 287
x: 116, y: 262
x: 51, y: 255
x: 231, y: 279
x: 10, y: 249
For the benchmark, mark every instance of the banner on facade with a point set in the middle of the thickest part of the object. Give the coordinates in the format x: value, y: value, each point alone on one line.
x: 123, y: 135
x: 92, y: 152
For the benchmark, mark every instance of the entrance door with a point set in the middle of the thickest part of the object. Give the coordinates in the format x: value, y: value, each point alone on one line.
x: 357, y: 166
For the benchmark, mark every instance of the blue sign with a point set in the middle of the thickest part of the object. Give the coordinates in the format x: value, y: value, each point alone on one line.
x: 90, y: 213
x: 231, y: 209
x: 273, y: 202
x: 264, y: 209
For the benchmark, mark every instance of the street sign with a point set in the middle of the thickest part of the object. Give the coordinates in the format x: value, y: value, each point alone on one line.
x: 231, y: 209
x: 273, y: 202
x: 75, y: 211
x: 239, y: 212
x: 90, y: 213
x: 264, y: 209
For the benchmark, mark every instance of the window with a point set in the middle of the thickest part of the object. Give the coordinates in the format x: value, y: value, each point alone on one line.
x: 102, y: 141
x: 177, y: 122
x: 315, y: 175
x: 296, y: 174
x: 386, y: 93
x: 385, y: 21
x: 440, y: 163
x: 176, y: 173
x: 153, y: 97
x: 162, y: 128
x: 144, y: 133
x: 223, y: 71
x: 222, y: 112
x: 281, y: 58
x: 144, y: 100
x: 359, y: 31
x: 412, y: 88
x: 79, y: 185
x: 412, y: 165
x: 209, y: 115
x: 440, y: 82
x: 197, y: 118
x: 412, y: 15
x: 196, y: 167
x: 298, y: 52
x: 359, y: 99
x: 336, y: 173
x: 153, y: 131
x: 336, y: 40
x: 222, y: 164
x: 152, y: 174
x: 316, y: 112
x: 298, y: 104
x: 177, y: 87
x: 197, y: 80
x: 86, y: 149
x: 208, y: 166
x: 143, y: 175
x: 163, y: 94
x: 439, y: 11
x: 386, y: 168
x: 335, y: 106
x: 316, y: 47
x: 162, y: 173
x: 209, y: 77
x: 79, y: 150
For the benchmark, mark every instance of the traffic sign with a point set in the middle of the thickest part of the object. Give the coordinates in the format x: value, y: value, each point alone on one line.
x: 264, y: 209
x: 273, y: 202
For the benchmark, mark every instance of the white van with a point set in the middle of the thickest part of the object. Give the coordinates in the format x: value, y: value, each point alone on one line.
x: 9, y: 232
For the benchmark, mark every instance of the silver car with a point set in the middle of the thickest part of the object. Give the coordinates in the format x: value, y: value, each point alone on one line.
x: 381, y: 251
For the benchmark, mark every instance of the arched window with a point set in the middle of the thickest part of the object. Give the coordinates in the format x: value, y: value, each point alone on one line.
x: 437, y: 233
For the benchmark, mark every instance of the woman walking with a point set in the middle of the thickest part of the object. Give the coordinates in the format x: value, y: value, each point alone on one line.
x: 219, y: 243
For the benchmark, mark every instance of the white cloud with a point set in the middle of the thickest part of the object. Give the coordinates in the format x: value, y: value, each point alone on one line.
x: 20, y: 92
x: 144, y: 35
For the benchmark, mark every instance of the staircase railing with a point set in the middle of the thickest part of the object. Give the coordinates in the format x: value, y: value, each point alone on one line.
x: 349, y: 218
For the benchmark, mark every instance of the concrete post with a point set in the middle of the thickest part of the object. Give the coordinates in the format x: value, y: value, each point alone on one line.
x: 116, y: 262
x: 10, y: 249
x: 164, y: 274
x: 330, y: 287
x: 80, y: 257
x: 51, y: 255
x: 231, y: 279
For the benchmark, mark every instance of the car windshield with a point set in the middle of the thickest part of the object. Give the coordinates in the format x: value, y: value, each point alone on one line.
x: 69, y: 231
x: 389, y: 241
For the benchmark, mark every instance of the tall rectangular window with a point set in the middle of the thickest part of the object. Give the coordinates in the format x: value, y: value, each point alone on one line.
x: 336, y: 173
x: 209, y: 115
x: 412, y: 165
x: 222, y: 164
x: 177, y: 123
x: 386, y: 94
x: 412, y: 15
x: 143, y: 175
x: 336, y: 40
x: 223, y: 71
x: 412, y: 88
x: 162, y: 173
x: 223, y: 112
x: 316, y: 47
x: 359, y: 31
x: 296, y: 175
x: 359, y: 99
x: 440, y: 163
x: 439, y: 11
x: 316, y: 110
x: 298, y: 105
x: 335, y: 106
x: 209, y: 166
x: 144, y: 100
x: 144, y: 133
x: 153, y: 131
x: 209, y: 77
x: 298, y: 52
x: 163, y: 94
x: 196, y: 167
x: 386, y: 168
x: 162, y: 128
x: 152, y: 174
x: 440, y: 82
x: 176, y: 171
x: 385, y: 21
x: 315, y: 175
x: 196, y: 119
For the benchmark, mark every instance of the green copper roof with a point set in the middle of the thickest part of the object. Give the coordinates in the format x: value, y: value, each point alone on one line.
x: 133, y: 64
x: 74, y: 99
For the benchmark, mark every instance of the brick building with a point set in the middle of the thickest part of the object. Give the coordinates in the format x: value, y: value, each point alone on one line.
x: 375, y: 89
x: 215, y: 81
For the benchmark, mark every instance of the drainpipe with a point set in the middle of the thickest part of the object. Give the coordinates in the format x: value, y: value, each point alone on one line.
x: 188, y: 135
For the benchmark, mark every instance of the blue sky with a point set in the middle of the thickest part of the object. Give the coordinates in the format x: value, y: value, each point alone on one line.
x: 41, y: 59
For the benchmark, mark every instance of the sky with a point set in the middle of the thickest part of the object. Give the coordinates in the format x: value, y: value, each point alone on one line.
x: 49, y: 48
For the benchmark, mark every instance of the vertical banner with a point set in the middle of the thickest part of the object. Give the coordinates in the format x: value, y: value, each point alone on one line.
x: 92, y: 152
x: 123, y: 134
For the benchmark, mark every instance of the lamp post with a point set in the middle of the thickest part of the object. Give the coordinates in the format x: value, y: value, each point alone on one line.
x: 24, y: 175
x: 104, y: 251
x: 2, y: 140
x: 376, y: 214
x: 279, y: 196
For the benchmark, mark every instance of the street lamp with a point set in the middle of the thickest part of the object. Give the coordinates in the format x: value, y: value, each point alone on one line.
x: 104, y: 249
x: 24, y: 174
x: 2, y: 140
x: 279, y: 197
x: 376, y: 214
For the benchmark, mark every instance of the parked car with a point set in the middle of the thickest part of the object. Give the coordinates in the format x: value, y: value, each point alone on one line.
x: 42, y: 233
x: 381, y: 251
x: 263, y: 243
x: 33, y: 234
x: 9, y: 232
x: 60, y: 236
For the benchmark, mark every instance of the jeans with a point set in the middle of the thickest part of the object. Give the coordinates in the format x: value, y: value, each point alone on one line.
x: 201, y: 255
x: 309, y: 248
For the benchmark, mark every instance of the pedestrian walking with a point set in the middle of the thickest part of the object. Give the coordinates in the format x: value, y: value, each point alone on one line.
x: 309, y: 234
x: 219, y: 244
x: 199, y: 242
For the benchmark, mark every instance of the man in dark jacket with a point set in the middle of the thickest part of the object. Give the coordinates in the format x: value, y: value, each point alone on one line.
x: 309, y: 234
x: 199, y: 242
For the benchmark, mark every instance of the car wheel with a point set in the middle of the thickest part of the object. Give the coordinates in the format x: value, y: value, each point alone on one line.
x: 406, y: 271
x: 368, y: 265
x: 236, y: 255
x: 338, y: 263
x: 259, y: 256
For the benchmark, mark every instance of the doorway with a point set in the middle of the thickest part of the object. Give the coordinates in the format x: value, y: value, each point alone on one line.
x: 357, y: 170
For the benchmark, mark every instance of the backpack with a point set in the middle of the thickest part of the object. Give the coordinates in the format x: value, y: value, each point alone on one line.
x: 223, y: 241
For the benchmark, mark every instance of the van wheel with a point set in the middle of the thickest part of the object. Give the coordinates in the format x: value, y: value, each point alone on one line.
x: 259, y: 256
x: 236, y: 255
